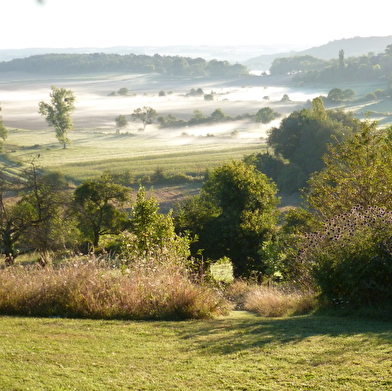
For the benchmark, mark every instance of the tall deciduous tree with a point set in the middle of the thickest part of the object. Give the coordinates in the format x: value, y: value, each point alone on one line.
x: 41, y: 199
x: 234, y: 216
x: 358, y: 171
x: 265, y: 115
x: 303, y: 136
x: 58, y: 112
x: 97, y: 204
x: 121, y: 122
x: 145, y: 114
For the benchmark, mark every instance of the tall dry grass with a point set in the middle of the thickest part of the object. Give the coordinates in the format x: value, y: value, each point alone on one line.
x: 271, y: 301
x: 96, y: 288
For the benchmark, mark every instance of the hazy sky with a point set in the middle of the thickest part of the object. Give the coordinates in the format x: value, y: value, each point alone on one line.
x: 102, y: 23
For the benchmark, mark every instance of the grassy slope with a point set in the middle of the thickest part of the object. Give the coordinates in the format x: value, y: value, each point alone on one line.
x: 238, y: 352
x: 92, y: 153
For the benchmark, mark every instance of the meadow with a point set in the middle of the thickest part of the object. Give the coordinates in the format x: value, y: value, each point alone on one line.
x: 241, y: 351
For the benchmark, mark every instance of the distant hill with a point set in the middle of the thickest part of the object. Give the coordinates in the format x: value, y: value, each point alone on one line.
x: 352, y: 47
x: 232, y: 54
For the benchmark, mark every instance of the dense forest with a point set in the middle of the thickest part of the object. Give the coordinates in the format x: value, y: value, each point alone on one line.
x: 103, y: 62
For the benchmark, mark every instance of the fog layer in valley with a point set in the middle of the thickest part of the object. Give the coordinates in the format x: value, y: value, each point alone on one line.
x: 95, y: 110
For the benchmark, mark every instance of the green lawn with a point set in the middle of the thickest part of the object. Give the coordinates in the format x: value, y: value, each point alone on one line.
x: 238, y: 352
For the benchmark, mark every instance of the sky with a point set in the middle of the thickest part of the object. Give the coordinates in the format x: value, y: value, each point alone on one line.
x: 105, y: 23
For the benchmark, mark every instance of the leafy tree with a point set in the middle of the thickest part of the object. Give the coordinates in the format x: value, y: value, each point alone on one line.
x: 38, y: 208
x: 336, y: 94
x: 123, y: 91
x: 145, y: 114
x: 97, y: 205
x: 218, y: 115
x: 197, y: 116
x: 265, y: 115
x: 358, y: 171
x: 149, y: 231
x: 169, y: 119
x: 303, y: 136
x: 234, y: 215
x: 285, y: 98
x: 121, y: 122
x: 3, y: 130
x: 58, y: 112
x: 350, y: 256
x: 209, y: 97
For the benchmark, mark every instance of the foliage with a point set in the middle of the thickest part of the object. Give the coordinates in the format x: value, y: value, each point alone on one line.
x: 339, y: 95
x: 97, y: 204
x: 150, y: 232
x: 58, y: 112
x: 121, y: 122
x: 146, y: 115
x: 292, y: 65
x: 351, y: 258
x: 233, y: 216
x: 3, y: 130
x: 193, y: 92
x: 353, y: 69
x: 35, y: 218
x: 358, y: 171
x: 265, y: 115
x: 304, y: 135
x: 104, y: 62
x: 218, y: 115
x: 197, y: 116
x: 123, y: 91
x: 221, y: 271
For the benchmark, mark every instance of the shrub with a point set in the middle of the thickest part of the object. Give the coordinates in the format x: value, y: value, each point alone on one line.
x: 351, y: 258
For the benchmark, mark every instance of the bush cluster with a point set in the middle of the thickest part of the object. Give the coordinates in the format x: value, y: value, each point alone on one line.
x: 351, y: 257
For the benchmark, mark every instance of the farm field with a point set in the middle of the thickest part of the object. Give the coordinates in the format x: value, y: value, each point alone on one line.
x: 241, y: 351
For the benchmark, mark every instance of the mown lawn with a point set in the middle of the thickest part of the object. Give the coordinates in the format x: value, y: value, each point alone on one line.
x: 238, y: 352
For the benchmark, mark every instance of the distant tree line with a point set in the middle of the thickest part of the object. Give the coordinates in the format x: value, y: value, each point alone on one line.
x: 102, y: 62
x: 310, y: 69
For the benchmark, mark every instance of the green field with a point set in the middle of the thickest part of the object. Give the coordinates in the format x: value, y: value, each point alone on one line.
x: 238, y: 352
x: 94, y: 152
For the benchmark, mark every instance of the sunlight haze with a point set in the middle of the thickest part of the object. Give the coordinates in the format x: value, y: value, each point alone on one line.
x: 105, y: 23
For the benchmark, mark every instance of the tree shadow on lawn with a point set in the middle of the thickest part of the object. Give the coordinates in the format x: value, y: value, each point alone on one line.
x: 233, y: 334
